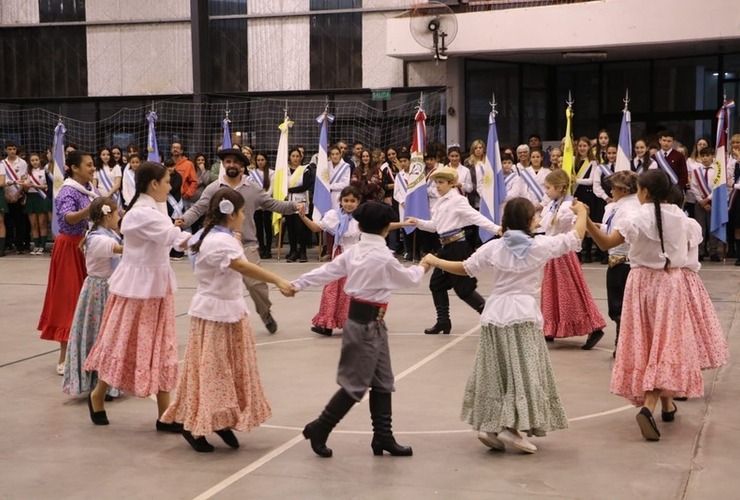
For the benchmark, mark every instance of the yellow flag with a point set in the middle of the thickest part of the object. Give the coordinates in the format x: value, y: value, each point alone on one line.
x: 280, y: 181
x: 568, y: 157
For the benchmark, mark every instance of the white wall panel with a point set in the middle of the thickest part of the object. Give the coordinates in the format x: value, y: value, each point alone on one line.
x: 378, y: 69
x: 19, y: 12
x: 139, y: 60
x: 279, y: 54
x: 112, y: 10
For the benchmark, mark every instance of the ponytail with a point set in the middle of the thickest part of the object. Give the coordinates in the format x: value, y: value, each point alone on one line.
x: 208, y: 224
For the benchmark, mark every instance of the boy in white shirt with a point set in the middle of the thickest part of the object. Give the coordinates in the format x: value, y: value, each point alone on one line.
x: 372, y: 272
x: 701, y: 182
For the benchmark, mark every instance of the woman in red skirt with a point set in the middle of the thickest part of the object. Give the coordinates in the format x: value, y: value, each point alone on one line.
x: 67, y: 271
x: 568, y: 309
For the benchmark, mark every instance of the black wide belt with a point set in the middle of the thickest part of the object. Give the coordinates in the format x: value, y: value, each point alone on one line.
x: 366, y: 312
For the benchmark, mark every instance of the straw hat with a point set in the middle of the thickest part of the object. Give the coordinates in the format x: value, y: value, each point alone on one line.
x: 446, y: 173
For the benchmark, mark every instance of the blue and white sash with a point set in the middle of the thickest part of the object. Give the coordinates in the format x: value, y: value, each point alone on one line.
x: 532, y: 185
x: 509, y: 179
x: 402, y: 182
x: 255, y: 175
x: 107, y: 183
x: 609, y: 221
x: 177, y: 206
x: 639, y: 168
x: 338, y: 173
x: 702, y: 182
x: 101, y: 231
x: 605, y: 170
x: 665, y: 167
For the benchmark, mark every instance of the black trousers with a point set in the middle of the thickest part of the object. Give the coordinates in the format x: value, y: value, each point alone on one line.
x: 441, y: 280
x: 18, y: 227
x: 297, y: 233
x: 263, y: 223
x: 616, y: 279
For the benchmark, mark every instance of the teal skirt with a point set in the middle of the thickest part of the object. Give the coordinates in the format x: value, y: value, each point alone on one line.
x: 512, y: 383
x: 35, y: 204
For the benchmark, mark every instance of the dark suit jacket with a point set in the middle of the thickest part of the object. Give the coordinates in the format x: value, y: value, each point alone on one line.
x: 677, y: 161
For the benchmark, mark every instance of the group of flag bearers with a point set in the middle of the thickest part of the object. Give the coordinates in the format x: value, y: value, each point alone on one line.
x: 511, y: 392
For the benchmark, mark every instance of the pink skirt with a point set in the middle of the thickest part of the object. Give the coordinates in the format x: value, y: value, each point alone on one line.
x: 136, y: 349
x: 334, y: 306
x: 220, y: 385
x: 657, y: 347
x: 67, y: 272
x: 710, y: 339
x: 568, y: 309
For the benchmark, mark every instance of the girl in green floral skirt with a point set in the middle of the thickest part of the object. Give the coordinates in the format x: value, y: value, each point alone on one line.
x: 511, y: 387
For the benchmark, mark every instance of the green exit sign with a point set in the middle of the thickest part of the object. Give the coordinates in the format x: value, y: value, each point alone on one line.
x: 381, y: 95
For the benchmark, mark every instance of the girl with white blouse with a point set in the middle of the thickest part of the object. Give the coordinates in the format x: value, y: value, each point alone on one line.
x: 219, y: 388
x: 511, y: 387
x: 657, y: 355
x: 102, y: 247
x: 136, y: 350
x: 568, y: 308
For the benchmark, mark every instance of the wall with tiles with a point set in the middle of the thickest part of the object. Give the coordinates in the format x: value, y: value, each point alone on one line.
x: 18, y: 12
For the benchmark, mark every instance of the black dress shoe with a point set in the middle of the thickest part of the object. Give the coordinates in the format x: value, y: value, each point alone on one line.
x: 715, y: 258
x: 229, y: 438
x: 97, y: 417
x: 322, y: 331
x: 302, y: 257
x: 199, y: 444
x: 681, y: 399
x: 648, y: 428
x: 593, y: 339
x: 268, y: 255
x: 271, y: 324
x: 291, y: 257
x: 669, y: 416
x: 173, y: 427
x: 588, y: 259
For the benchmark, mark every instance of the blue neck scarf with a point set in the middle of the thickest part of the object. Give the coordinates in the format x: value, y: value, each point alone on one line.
x: 194, y: 239
x: 518, y: 242
x: 344, y: 219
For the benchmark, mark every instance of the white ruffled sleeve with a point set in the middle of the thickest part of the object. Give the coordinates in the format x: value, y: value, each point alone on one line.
x: 479, y: 262
x: 694, y: 233
x: 100, y: 247
x: 627, y: 226
x: 227, y: 251
x: 329, y: 222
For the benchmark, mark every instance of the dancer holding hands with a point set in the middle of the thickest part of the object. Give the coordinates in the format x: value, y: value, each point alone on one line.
x: 511, y: 387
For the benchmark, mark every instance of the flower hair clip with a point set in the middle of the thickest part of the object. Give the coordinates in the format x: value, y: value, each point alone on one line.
x: 105, y: 209
x: 225, y: 207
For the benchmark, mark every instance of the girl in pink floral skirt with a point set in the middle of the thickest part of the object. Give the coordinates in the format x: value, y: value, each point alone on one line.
x: 658, y: 356
x: 220, y: 388
x: 136, y: 349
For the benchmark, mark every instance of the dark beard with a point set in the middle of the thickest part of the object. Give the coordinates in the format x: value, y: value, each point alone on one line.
x: 232, y: 173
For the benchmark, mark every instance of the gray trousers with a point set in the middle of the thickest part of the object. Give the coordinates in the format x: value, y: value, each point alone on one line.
x: 257, y: 289
x: 365, y: 361
x: 703, y: 217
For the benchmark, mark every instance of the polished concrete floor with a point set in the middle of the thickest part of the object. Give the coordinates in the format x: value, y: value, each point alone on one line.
x: 50, y: 449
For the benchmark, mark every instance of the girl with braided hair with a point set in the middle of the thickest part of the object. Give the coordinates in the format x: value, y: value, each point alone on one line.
x: 102, y: 247
x: 658, y: 357
x: 136, y: 349
x: 219, y: 388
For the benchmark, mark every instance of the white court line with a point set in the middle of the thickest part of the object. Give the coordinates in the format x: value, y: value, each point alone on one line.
x: 297, y: 439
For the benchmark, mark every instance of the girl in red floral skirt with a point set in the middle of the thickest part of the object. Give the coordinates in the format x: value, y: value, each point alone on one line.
x: 568, y: 309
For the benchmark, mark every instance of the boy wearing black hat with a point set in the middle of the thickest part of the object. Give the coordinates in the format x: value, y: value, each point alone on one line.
x: 372, y: 273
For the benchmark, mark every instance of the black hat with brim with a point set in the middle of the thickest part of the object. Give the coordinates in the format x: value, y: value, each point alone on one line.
x: 233, y: 152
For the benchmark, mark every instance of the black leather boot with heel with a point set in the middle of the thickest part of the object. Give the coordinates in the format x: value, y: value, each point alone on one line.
x: 442, y: 305
x: 381, y: 415
x: 318, y: 431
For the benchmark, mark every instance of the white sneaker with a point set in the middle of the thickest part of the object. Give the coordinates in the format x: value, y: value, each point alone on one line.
x: 60, y: 369
x: 516, y: 441
x: 491, y: 440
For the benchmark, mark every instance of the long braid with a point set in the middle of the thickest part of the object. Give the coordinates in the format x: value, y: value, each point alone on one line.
x: 659, y: 222
x: 208, y: 224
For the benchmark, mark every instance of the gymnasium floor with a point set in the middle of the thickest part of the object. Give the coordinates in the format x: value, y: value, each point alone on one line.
x: 50, y: 449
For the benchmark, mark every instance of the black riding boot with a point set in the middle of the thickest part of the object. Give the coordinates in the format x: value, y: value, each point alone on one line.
x: 383, y: 440
x: 442, y: 305
x: 318, y: 430
x: 475, y: 301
